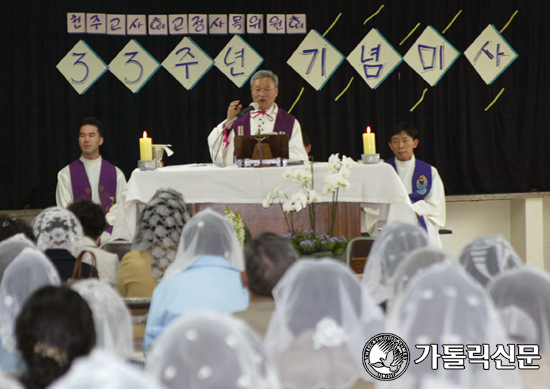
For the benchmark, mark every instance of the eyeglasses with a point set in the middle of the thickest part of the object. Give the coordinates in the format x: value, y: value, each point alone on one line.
x: 265, y: 90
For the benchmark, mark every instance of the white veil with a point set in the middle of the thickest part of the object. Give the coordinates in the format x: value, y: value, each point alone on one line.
x: 210, y: 350
x: 58, y: 228
x: 206, y: 233
x: 10, y: 248
x: 323, y: 318
x: 392, y: 244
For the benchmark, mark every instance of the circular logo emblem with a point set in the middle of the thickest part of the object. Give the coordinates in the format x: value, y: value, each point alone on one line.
x: 386, y: 357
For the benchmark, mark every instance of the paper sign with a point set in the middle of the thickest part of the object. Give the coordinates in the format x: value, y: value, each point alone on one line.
x: 81, y: 67
x: 296, y: 24
x: 236, y: 23
x: 116, y: 24
x: 238, y: 60
x: 96, y: 24
x: 177, y: 24
x: 315, y: 59
x: 76, y: 23
x: 431, y: 56
x: 158, y: 25
x: 255, y: 23
x: 134, y: 66
x: 198, y: 24
x: 490, y: 54
x: 136, y: 24
x: 374, y: 58
x: 217, y: 24
x: 276, y: 24
x: 188, y: 63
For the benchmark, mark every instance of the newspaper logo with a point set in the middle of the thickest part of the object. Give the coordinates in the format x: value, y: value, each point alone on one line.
x: 386, y: 357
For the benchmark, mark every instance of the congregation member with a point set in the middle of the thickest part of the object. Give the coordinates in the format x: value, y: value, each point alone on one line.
x: 112, y: 318
x: 421, y: 180
x: 27, y: 272
x: 54, y: 328
x: 60, y: 236
x: 91, y: 176
x: 155, y: 245
x: 93, y: 223
x: 206, y: 274
x: 8, y: 382
x: 487, y: 256
x: 266, y: 117
x: 522, y: 298
x: 10, y: 248
x: 9, y: 226
x: 207, y: 350
x: 395, y: 241
x: 267, y: 258
x: 322, y: 320
x: 443, y: 306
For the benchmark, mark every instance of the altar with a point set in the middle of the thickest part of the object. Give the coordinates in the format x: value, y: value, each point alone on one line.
x: 244, y: 190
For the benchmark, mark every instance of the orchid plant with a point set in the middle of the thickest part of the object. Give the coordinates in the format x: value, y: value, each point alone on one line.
x: 337, y: 177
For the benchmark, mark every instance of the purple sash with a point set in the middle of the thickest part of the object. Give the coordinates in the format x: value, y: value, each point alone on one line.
x: 421, y: 184
x: 106, y: 187
x: 284, y: 122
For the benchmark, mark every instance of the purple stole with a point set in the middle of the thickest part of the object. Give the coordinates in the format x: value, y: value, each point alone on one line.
x: 283, y: 123
x: 421, y: 183
x: 106, y: 188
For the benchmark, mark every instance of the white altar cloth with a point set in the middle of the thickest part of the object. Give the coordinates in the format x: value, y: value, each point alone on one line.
x: 201, y: 183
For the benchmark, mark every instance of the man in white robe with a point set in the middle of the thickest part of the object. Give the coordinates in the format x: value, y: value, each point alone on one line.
x: 267, y: 117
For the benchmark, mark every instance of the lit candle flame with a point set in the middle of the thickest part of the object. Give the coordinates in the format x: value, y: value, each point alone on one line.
x: 145, y: 134
x: 368, y: 129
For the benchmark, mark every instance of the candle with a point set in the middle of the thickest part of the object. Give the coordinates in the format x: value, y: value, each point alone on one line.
x: 146, y: 148
x: 369, y: 144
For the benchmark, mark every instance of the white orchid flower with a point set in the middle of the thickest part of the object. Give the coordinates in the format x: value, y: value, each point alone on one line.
x: 287, y: 206
x: 347, y: 161
x: 334, y: 163
x: 313, y: 196
x: 287, y: 173
x: 328, y: 188
x: 345, y: 172
x: 266, y: 203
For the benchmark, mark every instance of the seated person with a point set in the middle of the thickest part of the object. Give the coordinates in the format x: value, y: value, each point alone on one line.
x: 154, y: 246
x: 211, y: 350
x: 10, y: 248
x: 206, y: 274
x: 421, y: 180
x: 91, y: 176
x: 27, y: 272
x: 54, y: 328
x: 266, y: 118
x: 59, y: 234
x: 93, y: 222
x: 9, y: 226
x: 267, y: 258
x: 322, y: 320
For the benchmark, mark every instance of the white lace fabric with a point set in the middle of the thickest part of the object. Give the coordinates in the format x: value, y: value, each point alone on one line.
x: 443, y: 305
x: 210, y: 350
x: 393, y: 243
x: 58, y: 228
x: 322, y: 320
x: 160, y: 227
x: 487, y: 256
x: 112, y: 318
x: 28, y: 272
x: 103, y: 370
x: 8, y: 382
x: 206, y: 233
x: 10, y: 248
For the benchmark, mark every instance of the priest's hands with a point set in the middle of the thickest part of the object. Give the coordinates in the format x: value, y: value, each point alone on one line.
x: 233, y: 109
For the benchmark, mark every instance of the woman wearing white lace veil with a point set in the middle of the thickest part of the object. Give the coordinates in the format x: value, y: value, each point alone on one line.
x: 205, y: 274
x: 10, y: 248
x: 392, y: 244
x: 443, y: 306
x: 29, y: 271
x: 112, y: 319
x: 59, y: 234
x: 415, y: 263
x: 103, y: 370
x: 155, y: 244
x: 209, y: 350
x: 487, y: 256
x: 322, y: 320
x: 522, y: 297
x: 7, y: 382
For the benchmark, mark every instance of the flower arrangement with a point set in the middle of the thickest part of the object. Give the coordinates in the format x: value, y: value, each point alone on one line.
x: 241, y: 230
x: 308, y: 242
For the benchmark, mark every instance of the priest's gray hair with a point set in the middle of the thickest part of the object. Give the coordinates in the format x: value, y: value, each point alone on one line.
x: 263, y: 74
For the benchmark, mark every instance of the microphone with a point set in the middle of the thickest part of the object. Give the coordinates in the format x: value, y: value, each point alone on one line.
x: 243, y: 112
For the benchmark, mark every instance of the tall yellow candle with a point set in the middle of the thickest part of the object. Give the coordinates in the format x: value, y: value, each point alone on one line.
x: 369, y: 143
x: 145, y: 148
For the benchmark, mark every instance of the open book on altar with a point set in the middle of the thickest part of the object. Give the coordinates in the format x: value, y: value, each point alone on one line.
x: 261, y: 150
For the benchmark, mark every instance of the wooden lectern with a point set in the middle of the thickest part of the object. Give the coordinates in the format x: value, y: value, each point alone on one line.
x: 261, y: 150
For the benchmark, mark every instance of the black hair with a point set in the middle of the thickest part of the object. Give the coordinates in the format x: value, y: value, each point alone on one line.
x: 93, y: 122
x: 10, y: 226
x: 90, y: 215
x: 54, y: 327
x: 267, y: 259
x: 409, y: 129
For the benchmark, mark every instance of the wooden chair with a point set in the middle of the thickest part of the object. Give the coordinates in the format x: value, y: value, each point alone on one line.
x: 357, y: 252
x: 139, y: 307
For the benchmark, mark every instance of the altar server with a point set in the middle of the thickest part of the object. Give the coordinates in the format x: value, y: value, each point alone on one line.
x: 263, y: 116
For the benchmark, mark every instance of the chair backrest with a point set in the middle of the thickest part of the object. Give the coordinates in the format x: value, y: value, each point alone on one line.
x: 119, y: 248
x: 357, y: 252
